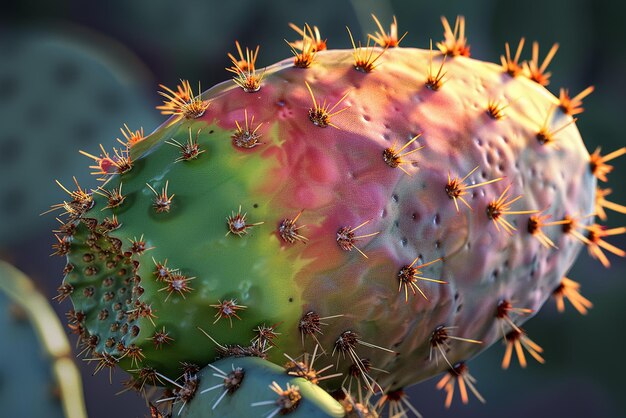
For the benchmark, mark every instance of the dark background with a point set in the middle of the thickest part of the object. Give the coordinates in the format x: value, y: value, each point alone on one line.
x: 72, y: 72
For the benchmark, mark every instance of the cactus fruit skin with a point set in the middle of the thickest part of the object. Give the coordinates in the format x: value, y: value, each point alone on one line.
x: 147, y: 283
x: 257, y: 381
x: 35, y: 354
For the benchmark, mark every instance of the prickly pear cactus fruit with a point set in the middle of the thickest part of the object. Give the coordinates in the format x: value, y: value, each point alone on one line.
x: 250, y: 386
x: 43, y: 79
x: 394, y: 208
x: 35, y: 354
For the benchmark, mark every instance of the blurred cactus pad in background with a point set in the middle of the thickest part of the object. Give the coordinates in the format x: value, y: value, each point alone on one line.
x: 35, y: 354
x: 338, y: 233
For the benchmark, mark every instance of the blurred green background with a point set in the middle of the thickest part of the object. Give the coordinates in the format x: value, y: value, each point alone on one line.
x: 72, y: 72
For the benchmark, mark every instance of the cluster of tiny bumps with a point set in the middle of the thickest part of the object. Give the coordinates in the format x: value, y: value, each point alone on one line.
x: 385, y: 212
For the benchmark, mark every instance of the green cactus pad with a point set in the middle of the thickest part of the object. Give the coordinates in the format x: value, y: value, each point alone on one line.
x: 250, y: 386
